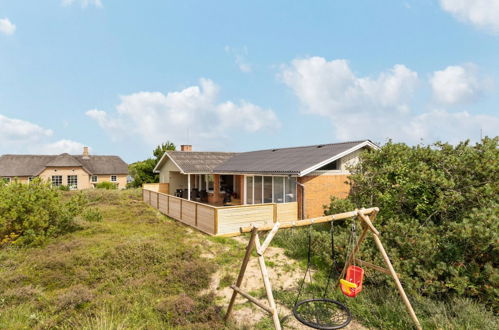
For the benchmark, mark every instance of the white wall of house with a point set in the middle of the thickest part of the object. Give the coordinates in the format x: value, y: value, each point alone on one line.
x: 166, y: 169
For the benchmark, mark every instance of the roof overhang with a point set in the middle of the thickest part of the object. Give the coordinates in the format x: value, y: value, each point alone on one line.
x: 361, y: 145
x: 160, y: 164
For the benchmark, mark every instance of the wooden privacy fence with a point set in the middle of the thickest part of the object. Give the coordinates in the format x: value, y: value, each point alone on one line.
x: 223, y: 220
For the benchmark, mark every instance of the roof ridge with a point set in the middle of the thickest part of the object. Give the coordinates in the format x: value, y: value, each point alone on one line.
x: 312, y: 145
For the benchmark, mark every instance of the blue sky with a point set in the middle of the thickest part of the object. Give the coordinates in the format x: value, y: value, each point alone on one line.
x: 124, y: 76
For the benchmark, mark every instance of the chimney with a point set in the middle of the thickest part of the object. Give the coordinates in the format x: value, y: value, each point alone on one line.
x: 85, y: 152
x: 186, y: 147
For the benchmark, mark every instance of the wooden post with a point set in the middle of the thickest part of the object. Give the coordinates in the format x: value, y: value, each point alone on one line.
x: 196, y: 214
x: 269, y: 238
x: 157, y: 200
x: 268, y: 285
x: 188, y: 187
x: 246, y: 258
x: 397, y: 281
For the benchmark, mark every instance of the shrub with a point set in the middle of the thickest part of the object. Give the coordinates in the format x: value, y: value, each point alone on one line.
x: 92, y: 215
x: 30, y: 213
x: 63, y: 188
x: 439, y: 214
x: 106, y: 185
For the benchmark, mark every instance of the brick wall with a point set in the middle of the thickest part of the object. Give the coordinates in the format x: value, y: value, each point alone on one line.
x: 318, y: 192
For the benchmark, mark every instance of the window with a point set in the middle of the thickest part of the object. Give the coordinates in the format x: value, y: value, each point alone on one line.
x: 73, y: 182
x: 56, y: 180
x: 330, y: 167
x: 94, y: 178
x: 290, y: 189
x: 257, y: 197
x: 6, y: 180
x: 249, y: 190
x: 210, y: 182
x: 267, y: 189
x: 270, y: 189
x: 113, y: 178
x: 279, y: 189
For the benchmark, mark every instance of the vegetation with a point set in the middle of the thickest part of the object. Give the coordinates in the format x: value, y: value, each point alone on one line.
x: 142, y: 172
x: 106, y: 185
x: 439, y: 223
x: 134, y: 269
x: 31, y: 213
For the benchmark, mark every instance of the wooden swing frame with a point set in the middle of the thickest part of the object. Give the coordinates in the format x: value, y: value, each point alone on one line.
x: 366, y: 217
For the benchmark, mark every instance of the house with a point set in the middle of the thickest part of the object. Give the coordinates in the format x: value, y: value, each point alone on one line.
x: 76, y: 171
x: 296, y: 183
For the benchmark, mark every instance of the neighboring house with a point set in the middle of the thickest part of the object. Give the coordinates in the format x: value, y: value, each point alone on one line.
x: 303, y: 176
x: 76, y: 171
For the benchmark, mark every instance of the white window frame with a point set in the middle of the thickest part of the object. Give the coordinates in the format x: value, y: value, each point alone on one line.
x: 52, y: 180
x: 115, y: 178
x: 92, y: 179
x: 72, y: 186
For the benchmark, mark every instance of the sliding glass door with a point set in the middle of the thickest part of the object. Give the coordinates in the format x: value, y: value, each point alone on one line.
x: 270, y: 189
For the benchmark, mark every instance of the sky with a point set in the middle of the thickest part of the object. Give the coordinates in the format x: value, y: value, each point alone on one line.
x: 123, y: 76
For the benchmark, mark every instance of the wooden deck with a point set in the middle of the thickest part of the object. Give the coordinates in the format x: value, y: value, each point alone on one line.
x: 219, y: 220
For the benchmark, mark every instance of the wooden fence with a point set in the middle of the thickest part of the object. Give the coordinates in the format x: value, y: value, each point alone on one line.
x: 223, y: 220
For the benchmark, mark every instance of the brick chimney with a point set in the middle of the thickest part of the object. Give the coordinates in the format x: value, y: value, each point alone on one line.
x: 186, y: 147
x: 85, y: 152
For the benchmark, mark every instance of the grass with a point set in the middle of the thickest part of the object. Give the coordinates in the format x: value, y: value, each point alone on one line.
x: 380, y: 306
x: 129, y: 267
x: 134, y: 268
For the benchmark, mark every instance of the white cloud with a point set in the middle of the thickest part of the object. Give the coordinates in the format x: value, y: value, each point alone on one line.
x: 61, y: 146
x: 83, y: 3
x: 377, y: 108
x: 20, y: 136
x: 482, y: 13
x: 6, y: 26
x: 14, y: 130
x: 240, y: 58
x: 329, y: 88
x: 459, y: 84
x: 192, y: 113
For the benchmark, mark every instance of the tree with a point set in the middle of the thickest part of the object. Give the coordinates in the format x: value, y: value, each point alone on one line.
x: 142, y: 172
x: 162, y: 148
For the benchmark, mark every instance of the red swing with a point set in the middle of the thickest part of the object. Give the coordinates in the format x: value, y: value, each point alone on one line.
x: 351, y: 286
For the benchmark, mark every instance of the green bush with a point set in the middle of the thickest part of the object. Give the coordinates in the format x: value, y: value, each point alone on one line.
x: 31, y: 213
x: 106, y: 185
x: 439, y: 215
x: 92, y: 215
x: 63, y: 188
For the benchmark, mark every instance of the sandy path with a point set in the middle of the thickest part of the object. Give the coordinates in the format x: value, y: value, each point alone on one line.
x: 284, y: 274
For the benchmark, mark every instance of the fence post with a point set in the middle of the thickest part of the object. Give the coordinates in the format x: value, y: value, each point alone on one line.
x: 196, y: 214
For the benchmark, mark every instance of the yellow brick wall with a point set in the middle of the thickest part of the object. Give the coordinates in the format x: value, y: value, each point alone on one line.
x: 318, y: 192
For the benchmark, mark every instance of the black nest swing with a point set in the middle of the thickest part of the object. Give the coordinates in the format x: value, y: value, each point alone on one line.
x: 321, y: 313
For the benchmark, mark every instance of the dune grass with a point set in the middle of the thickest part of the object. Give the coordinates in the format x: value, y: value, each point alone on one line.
x: 135, y: 269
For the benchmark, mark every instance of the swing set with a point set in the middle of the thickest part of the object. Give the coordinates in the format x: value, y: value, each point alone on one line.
x: 320, y: 312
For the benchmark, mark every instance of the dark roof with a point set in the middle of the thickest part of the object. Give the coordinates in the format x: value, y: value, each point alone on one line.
x: 294, y: 161
x: 33, y: 165
x: 198, y: 161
